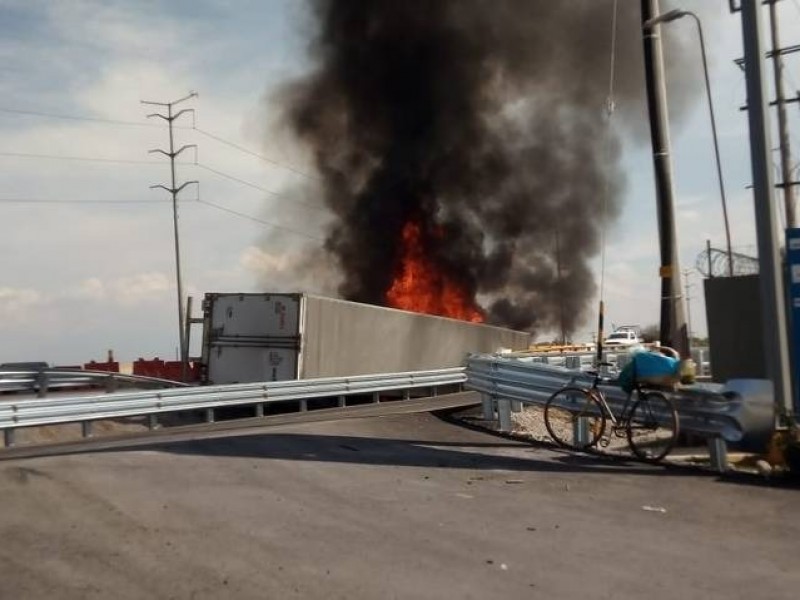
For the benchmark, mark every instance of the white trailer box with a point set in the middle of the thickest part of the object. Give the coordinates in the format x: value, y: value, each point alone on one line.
x: 274, y: 337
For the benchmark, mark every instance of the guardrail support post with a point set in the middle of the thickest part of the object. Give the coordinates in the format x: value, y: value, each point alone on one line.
x: 304, y: 405
x: 8, y: 438
x: 504, y: 414
x: 406, y: 394
x: 341, y: 402
x: 152, y: 422
x: 516, y: 406
x: 111, y: 384
x: 86, y: 429
x: 209, y: 415
x: 376, y: 397
x: 42, y: 382
x: 434, y: 391
x: 488, y: 407
x: 719, y: 454
x: 259, y: 410
x: 580, y: 431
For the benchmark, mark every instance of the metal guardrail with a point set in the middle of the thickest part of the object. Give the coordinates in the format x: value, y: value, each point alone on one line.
x: 740, y: 411
x: 85, y: 409
x: 45, y: 380
x: 584, y: 359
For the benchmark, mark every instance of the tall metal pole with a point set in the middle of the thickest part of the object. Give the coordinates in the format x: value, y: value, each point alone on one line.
x: 673, y: 324
x: 674, y: 15
x: 563, y: 339
x: 174, y: 190
x: 687, y: 286
x: 773, y: 315
x: 783, y: 129
x: 716, y: 143
x: 179, y: 279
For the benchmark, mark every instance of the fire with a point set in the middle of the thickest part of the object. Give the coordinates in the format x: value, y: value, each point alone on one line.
x: 421, y: 287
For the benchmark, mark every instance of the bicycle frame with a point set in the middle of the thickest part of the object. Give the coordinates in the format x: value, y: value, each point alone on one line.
x: 624, y: 415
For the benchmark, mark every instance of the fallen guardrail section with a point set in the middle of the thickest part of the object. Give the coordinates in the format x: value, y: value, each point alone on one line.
x: 54, y: 410
x: 741, y: 411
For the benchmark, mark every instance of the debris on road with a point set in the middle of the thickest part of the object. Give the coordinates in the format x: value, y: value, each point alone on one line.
x: 658, y: 509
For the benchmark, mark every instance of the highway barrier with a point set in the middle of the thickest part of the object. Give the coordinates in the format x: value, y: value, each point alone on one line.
x: 55, y: 410
x: 740, y: 411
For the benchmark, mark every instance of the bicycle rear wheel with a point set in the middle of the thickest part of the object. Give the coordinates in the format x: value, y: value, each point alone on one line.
x: 574, y: 418
x: 652, y: 427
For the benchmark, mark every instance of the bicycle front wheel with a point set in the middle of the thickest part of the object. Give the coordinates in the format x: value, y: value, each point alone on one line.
x: 652, y: 427
x: 574, y: 418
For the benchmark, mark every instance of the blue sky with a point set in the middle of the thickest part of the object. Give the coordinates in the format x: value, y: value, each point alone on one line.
x: 80, y: 277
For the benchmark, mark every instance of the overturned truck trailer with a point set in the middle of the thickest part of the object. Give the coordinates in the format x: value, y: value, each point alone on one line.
x: 275, y: 337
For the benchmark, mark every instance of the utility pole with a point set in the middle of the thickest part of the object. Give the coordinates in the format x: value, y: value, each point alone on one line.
x: 560, y: 288
x: 773, y: 312
x: 688, y: 286
x: 673, y: 323
x: 783, y: 130
x: 173, y: 190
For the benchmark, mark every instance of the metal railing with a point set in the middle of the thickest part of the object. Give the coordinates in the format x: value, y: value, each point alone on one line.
x: 584, y: 359
x: 740, y: 411
x: 45, y: 380
x: 55, y: 410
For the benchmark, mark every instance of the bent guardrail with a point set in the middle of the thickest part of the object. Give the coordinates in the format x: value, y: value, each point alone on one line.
x: 85, y: 409
x: 741, y: 411
x: 44, y: 380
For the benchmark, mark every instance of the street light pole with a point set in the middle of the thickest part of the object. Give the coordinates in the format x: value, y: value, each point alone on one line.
x: 673, y: 15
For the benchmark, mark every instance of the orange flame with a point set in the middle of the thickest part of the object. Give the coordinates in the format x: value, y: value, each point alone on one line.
x: 420, y: 286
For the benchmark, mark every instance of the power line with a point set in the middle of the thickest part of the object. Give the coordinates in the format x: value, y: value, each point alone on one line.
x: 152, y: 163
x: 160, y: 202
x: 262, y: 221
x: 36, y: 113
x: 80, y: 158
x: 272, y: 161
x: 74, y: 201
x: 257, y: 155
x: 258, y: 187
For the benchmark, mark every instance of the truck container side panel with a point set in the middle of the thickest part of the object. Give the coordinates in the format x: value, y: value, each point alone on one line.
x: 346, y: 338
x: 267, y: 337
x: 245, y: 364
x: 256, y: 315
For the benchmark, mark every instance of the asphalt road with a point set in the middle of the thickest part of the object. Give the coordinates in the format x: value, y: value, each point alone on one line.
x: 405, y: 506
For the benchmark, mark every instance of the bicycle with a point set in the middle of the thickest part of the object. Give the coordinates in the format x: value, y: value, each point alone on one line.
x: 576, y: 417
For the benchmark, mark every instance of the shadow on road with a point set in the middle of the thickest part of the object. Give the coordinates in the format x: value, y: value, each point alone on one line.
x: 408, y: 453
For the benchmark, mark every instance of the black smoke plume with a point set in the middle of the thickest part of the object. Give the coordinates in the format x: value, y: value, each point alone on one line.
x: 483, y: 121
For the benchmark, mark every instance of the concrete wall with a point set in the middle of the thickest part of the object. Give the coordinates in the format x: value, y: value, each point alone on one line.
x: 733, y: 311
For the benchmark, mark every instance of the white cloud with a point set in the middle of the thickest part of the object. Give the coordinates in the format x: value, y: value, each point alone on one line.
x: 89, y: 289
x: 18, y: 305
x: 140, y: 289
